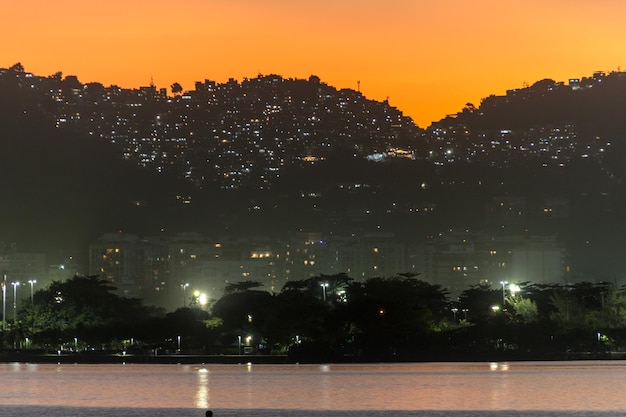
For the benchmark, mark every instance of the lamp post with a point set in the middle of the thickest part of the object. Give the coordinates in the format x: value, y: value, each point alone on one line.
x: 4, y: 303
x: 32, y: 282
x: 503, y: 295
x: 454, y: 311
x: 15, y: 285
x: 184, y: 287
x: 324, y: 286
x: 465, y: 310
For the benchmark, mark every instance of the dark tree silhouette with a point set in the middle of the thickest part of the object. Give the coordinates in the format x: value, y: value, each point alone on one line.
x: 176, y: 88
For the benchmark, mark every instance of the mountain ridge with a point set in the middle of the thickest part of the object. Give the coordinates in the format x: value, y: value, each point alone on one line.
x: 67, y: 178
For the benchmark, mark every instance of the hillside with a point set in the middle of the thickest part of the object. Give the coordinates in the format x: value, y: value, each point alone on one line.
x: 271, y: 170
x: 60, y: 190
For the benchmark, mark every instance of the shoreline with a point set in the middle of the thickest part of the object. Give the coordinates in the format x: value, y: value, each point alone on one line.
x: 25, y: 357
x: 105, y: 358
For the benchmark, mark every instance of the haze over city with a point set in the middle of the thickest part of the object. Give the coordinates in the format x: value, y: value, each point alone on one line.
x: 428, y: 58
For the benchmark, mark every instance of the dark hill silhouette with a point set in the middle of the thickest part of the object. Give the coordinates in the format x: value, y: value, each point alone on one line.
x: 596, y: 105
x: 60, y: 190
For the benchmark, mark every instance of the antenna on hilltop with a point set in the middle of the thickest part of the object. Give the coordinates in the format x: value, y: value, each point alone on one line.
x: 358, y: 86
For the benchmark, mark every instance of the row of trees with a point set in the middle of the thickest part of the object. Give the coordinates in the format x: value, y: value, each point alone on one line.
x: 333, y: 318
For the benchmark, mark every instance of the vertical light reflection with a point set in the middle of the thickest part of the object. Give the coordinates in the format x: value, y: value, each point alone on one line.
x: 325, y: 388
x: 203, y: 394
x: 500, y: 387
x: 249, y: 385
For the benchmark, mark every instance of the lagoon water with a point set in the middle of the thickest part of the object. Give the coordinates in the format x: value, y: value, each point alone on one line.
x: 585, y: 388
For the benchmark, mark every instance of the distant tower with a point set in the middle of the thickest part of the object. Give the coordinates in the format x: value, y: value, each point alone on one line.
x: 358, y: 86
x: 151, y: 81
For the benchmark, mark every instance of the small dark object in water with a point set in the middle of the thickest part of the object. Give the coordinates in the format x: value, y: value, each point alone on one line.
x: 208, y: 413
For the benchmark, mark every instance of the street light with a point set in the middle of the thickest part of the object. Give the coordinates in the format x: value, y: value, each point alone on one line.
x: 465, y: 310
x: 324, y: 286
x: 200, y: 298
x: 4, y: 303
x: 32, y: 282
x: 454, y: 311
x: 15, y: 285
x: 184, y: 287
x: 503, y: 287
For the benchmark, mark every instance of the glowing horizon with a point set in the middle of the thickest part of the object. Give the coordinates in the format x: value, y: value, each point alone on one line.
x: 428, y: 58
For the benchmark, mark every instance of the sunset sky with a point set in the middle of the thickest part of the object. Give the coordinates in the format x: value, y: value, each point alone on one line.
x: 429, y: 57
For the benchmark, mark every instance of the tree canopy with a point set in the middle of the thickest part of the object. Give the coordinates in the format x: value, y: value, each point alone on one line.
x: 333, y: 317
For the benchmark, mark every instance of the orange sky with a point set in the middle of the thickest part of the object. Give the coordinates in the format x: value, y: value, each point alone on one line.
x: 430, y: 57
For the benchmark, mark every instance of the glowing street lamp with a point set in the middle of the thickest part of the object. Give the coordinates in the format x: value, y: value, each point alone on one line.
x: 4, y: 303
x: 503, y: 287
x: 184, y: 287
x: 324, y: 286
x: 201, y: 298
x: 15, y: 285
x: 454, y: 311
x: 32, y: 282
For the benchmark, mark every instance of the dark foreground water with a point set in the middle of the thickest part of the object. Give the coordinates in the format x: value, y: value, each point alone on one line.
x: 542, y: 389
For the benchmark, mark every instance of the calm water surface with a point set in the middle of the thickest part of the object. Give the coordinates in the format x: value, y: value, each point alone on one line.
x: 595, y: 388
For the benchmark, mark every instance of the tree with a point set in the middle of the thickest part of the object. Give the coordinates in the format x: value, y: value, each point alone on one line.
x: 525, y: 310
x: 478, y: 300
x: 244, y: 312
x: 394, y: 316
x: 330, y: 288
x: 81, y: 307
x: 241, y: 286
x: 176, y: 88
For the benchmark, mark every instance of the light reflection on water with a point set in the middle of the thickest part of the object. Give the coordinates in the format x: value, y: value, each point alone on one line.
x: 519, y: 386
